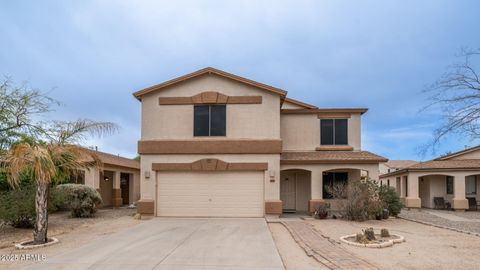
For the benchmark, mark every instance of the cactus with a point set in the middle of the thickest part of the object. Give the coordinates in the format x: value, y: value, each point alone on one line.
x: 384, y: 233
x: 369, y: 234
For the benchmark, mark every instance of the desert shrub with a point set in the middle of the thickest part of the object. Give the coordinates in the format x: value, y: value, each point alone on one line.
x: 390, y: 199
x: 359, y: 199
x: 384, y: 233
x: 321, y: 210
x: 17, y: 206
x: 369, y: 234
x: 81, y: 199
x: 360, y: 238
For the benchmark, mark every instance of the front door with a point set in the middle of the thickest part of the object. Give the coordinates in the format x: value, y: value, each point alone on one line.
x: 125, y: 187
x: 288, y: 190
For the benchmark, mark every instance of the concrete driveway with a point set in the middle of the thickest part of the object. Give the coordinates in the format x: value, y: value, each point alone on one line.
x: 174, y: 243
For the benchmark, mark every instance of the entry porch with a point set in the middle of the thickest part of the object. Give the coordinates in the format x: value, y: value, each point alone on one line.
x: 304, y: 187
x: 439, y: 189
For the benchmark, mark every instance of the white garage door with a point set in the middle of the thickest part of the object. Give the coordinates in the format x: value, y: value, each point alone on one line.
x: 210, y: 194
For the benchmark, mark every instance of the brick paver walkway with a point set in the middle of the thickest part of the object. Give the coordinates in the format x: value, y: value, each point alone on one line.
x: 325, y: 251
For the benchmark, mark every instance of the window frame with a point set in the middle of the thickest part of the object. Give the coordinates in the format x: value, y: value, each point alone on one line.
x: 210, y: 120
x: 333, y: 181
x: 450, y: 187
x: 474, y: 184
x: 334, y: 130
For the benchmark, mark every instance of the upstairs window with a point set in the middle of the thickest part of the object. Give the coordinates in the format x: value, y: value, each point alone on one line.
x: 334, y: 132
x: 209, y: 120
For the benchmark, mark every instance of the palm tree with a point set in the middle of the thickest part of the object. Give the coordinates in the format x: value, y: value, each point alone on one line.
x: 44, y: 160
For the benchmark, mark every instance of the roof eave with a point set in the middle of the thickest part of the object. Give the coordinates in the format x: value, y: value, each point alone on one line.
x: 324, y: 110
x: 210, y: 70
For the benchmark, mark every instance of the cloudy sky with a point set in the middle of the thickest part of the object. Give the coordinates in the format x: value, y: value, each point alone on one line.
x: 92, y: 55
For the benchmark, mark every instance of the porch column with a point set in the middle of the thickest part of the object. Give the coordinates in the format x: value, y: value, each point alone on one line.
x: 316, y: 190
x: 459, y: 201
x: 116, y: 191
x: 412, y: 200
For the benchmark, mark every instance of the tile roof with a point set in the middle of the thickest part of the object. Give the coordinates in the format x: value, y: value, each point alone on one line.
x: 400, y: 164
x: 463, y: 164
x: 110, y: 159
x: 447, y: 164
x: 330, y: 157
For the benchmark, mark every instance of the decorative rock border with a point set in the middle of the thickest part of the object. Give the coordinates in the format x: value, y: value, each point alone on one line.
x: 22, y: 245
x: 441, y: 226
x: 388, y: 243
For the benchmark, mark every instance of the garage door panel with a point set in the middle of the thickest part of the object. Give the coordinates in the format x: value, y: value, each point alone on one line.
x: 213, y: 194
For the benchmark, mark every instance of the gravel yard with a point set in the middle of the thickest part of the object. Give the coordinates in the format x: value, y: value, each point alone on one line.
x: 72, y: 232
x: 465, y: 221
x: 426, y: 247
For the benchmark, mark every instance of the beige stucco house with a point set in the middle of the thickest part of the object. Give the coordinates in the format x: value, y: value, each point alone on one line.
x: 216, y: 144
x: 395, y: 165
x: 454, y: 177
x: 118, y: 181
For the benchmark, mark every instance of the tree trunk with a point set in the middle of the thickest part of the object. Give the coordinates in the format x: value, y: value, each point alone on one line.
x: 41, y: 207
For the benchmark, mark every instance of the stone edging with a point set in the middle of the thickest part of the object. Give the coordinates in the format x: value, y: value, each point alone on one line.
x: 440, y: 226
x: 23, y: 246
x: 388, y: 243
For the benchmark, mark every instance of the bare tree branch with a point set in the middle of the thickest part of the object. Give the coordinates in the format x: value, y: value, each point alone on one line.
x: 457, y: 95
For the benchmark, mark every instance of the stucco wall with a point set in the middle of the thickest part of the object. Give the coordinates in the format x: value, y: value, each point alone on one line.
x: 243, y: 120
x: 272, y: 189
x: 303, y: 190
x: 302, y: 131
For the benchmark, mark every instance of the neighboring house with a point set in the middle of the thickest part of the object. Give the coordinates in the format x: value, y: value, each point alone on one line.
x: 393, y: 166
x: 216, y: 144
x: 454, y: 177
x: 118, y: 182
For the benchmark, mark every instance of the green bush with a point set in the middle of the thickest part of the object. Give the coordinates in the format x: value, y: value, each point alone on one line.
x: 390, y: 199
x: 25, y: 181
x: 17, y: 206
x: 81, y: 199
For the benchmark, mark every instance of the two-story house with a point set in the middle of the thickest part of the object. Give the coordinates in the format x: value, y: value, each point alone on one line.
x: 214, y: 144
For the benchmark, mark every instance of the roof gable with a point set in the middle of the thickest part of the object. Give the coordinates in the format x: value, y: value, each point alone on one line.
x: 210, y: 70
x: 300, y: 104
x: 469, y: 153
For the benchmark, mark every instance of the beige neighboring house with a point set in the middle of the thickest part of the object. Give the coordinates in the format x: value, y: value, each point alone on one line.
x: 393, y: 166
x: 118, y: 182
x: 214, y: 144
x: 454, y: 177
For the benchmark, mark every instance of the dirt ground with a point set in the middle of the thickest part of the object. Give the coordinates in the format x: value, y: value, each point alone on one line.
x: 293, y: 256
x: 72, y: 232
x: 426, y: 247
